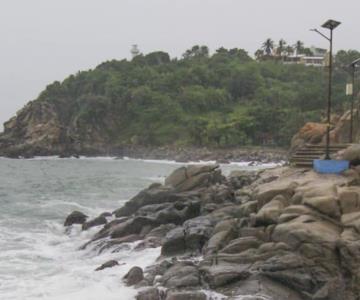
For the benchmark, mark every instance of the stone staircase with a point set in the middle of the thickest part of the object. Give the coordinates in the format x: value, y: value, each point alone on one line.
x: 304, y: 156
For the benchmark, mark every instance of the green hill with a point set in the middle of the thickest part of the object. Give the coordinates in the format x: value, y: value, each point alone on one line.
x: 220, y: 100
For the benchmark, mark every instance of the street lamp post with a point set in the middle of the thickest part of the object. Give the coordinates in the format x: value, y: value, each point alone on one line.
x: 353, y: 69
x: 331, y: 25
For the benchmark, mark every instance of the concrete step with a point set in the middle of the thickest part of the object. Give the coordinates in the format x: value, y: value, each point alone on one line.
x: 305, y: 156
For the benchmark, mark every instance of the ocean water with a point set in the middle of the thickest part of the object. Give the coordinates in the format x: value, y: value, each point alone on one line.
x: 38, y: 258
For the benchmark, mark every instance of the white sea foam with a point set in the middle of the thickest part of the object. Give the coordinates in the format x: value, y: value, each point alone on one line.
x: 38, y: 259
x: 52, y: 267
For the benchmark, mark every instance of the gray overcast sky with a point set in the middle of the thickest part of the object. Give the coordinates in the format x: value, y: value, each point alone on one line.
x: 47, y: 40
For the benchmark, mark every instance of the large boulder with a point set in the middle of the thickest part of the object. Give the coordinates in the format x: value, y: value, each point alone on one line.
x: 76, y: 217
x: 311, y: 133
x: 191, y: 237
x: 270, y: 212
x: 352, y: 154
x: 134, y: 276
x: 100, y: 220
x: 149, y: 294
x: 194, y: 177
x: 219, y: 275
x: 305, y: 231
x: 174, y: 242
x: 182, y: 274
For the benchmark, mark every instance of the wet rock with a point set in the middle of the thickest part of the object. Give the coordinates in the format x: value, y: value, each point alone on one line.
x: 183, y: 274
x: 220, y: 275
x: 108, y: 264
x: 241, y: 244
x: 195, y: 295
x: 134, y: 276
x: 100, y: 220
x: 76, y: 217
x: 133, y: 226
x: 223, y: 232
x: 174, y: 242
x: 149, y: 294
x: 106, y: 214
x: 197, y: 233
x: 151, y: 196
x: 161, y: 231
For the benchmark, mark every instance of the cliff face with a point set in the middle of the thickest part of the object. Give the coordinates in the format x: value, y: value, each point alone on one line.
x: 44, y: 128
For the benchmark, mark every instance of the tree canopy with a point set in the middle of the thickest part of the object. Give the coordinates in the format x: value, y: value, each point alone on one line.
x: 223, y: 99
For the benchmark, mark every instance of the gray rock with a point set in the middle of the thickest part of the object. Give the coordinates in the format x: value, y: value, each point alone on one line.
x: 221, y: 275
x: 108, y: 264
x: 100, y: 220
x: 149, y: 294
x: 151, y: 196
x: 134, y: 276
x: 76, y: 217
x: 183, y: 274
x: 133, y: 226
x: 174, y: 242
x: 193, y: 177
x: 195, y: 295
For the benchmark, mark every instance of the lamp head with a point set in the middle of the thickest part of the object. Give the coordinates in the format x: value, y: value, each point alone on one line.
x: 355, y: 62
x: 331, y: 24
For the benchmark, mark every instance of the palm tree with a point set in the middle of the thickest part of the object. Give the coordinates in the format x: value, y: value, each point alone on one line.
x: 299, y: 47
x: 268, y: 46
x: 280, y: 49
x: 259, y: 54
x: 289, y: 50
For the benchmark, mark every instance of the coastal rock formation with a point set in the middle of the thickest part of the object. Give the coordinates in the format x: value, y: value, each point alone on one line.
x: 279, y: 234
x: 62, y: 128
x: 314, y: 133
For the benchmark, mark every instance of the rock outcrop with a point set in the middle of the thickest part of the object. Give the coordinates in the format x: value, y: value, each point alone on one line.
x: 278, y: 234
x: 46, y: 127
x: 314, y: 133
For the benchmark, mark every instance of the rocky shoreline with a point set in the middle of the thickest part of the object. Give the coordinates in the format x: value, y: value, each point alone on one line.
x: 280, y: 234
x: 179, y: 154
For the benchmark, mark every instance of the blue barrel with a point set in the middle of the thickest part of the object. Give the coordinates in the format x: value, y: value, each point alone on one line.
x: 330, y: 166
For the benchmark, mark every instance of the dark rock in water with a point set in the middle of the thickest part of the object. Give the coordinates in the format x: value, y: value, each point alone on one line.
x: 108, y: 264
x: 100, y: 220
x: 76, y: 217
x: 222, y: 161
x: 134, y: 276
x: 161, y: 231
x: 148, y: 196
x: 106, y: 214
x: 134, y: 226
x: 149, y: 242
x: 196, y: 295
x: 149, y: 294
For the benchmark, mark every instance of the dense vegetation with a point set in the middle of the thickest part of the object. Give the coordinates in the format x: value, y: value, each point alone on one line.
x: 224, y: 99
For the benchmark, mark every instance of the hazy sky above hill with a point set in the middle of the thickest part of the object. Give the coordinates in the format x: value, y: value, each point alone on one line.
x: 47, y: 40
